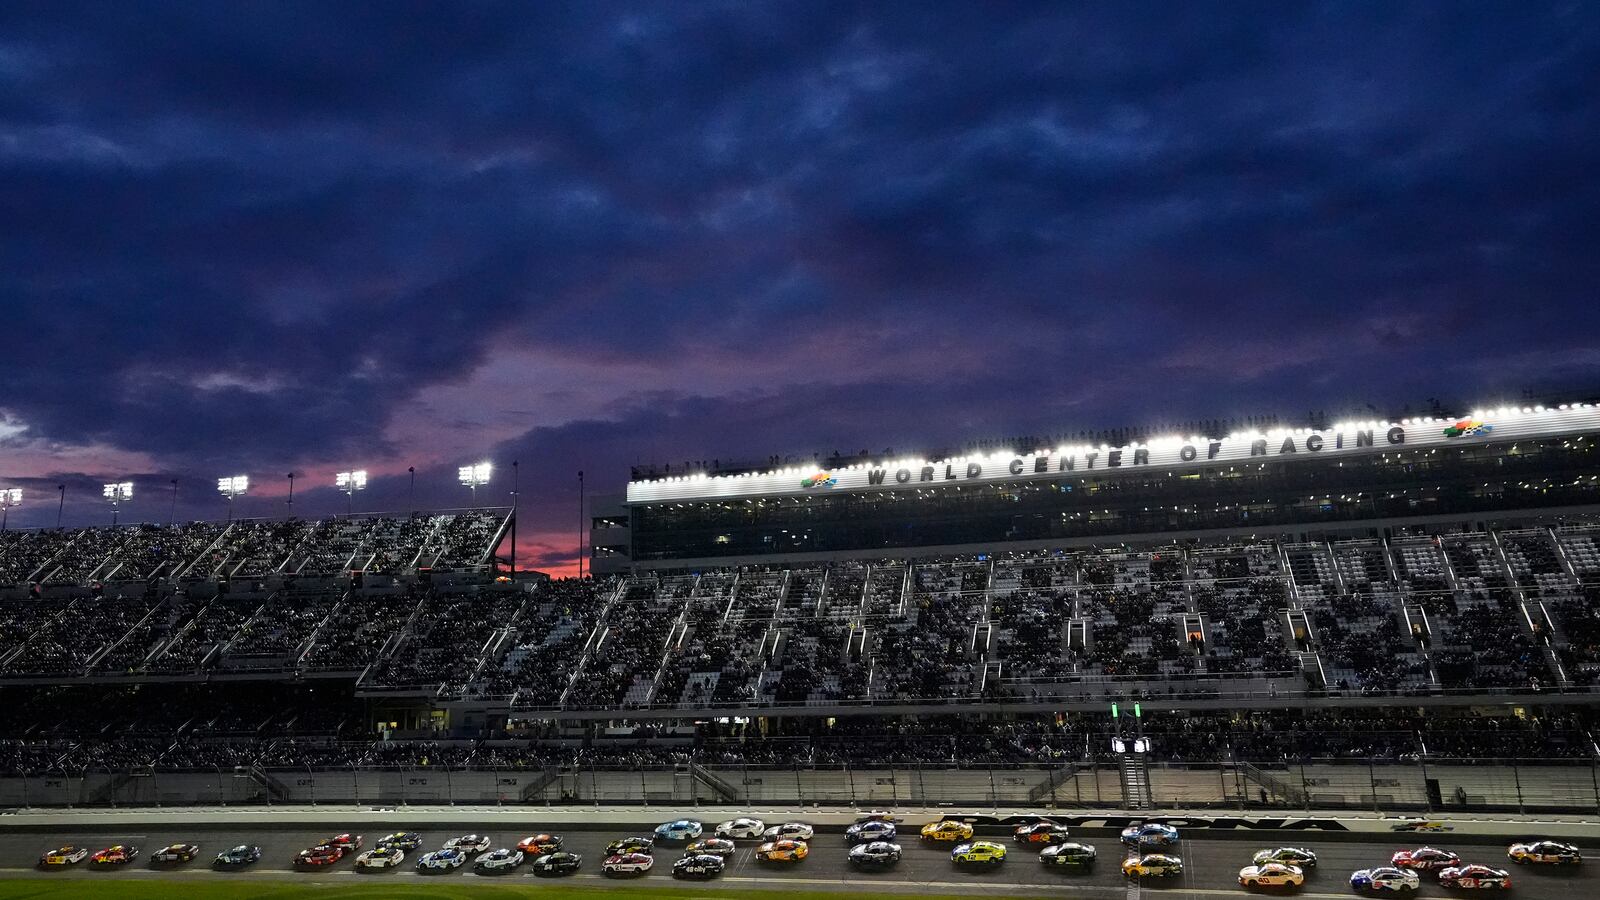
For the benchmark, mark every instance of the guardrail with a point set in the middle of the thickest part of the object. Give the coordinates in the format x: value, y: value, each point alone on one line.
x: 1424, y: 786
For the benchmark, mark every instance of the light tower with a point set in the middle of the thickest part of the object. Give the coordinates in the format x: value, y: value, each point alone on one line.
x: 474, y: 476
x: 350, y: 482
x: 116, y: 493
x: 232, y: 486
x: 9, y: 497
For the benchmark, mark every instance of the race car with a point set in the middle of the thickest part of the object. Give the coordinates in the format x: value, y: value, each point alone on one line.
x: 115, y: 855
x: 630, y: 845
x: 540, y: 843
x: 237, y: 857
x: 1272, y: 874
x: 1424, y: 859
x: 1152, y: 865
x: 1041, y: 833
x: 345, y: 842
x: 701, y: 865
x: 783, y: 851
x: 176, y: 853
x: 870, y: 830
x: 1294, y: 856
x: 318, y: 856
x: 381, y: 858
x: 404, y: 840
x: 875, y: 855
x: 715, y: 846
x: 505, y: 859
x: 792, y: 831
x: 442, y: 860
x: 1070, y: 854
x: 558, y: 863
x: 63, y: 856
x: 468, y: 843
x: 1550, y: 853
x: 881, y: 815
x: 627, y: 864
x: 1474, y: 876
x: 978, y: 853
x: 1150, y: 834
x: 741, y: 828
x: 679, y: 830
x: 1385, y: 879
x: 947, y: 830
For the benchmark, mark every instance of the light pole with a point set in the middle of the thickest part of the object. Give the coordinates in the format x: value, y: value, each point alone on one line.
x: 172, y: 514
x: 9, y: 497
x: 61, y: 506
x: 350, y: 482
x: 515, y: 483
x: 581, y: 523
x: 474, y: 476
x: 116, y: 493
x: 232, y: 486
x: 290, y: 476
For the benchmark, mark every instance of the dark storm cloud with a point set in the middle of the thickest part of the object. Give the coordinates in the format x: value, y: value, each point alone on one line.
x: 261, y: 235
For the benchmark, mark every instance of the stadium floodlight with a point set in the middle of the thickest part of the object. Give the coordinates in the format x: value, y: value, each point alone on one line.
x: 350, y: 482
x: 116, y: 493
x: 474, y: 476
x: 232, y: 486
x: 9, y: 497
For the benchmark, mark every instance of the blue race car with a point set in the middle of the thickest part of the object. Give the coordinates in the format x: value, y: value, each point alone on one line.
x: 1150, y: 834
x: 681, y: 830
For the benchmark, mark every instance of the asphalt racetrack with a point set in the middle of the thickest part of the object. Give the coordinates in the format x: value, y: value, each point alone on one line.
x: 1211, y: 864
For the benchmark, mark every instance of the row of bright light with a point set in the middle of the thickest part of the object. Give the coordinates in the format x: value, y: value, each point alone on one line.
x: 232, y: 486
x: 1160, y: 443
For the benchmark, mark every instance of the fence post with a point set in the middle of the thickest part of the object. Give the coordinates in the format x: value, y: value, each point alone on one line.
x: 355, y: 783
x: 850, y: 776
x: 1372, y: 785
x: 644, y: 786
x: 799, y: 792
x: 922, y: 786
x: 449, y: 785
x: 1305, y: 786
x: 311, y: 783
x: 994, y: 799
x: 1516, y: 779
x: 745, y: 763
x: 403, y: 779
x: 222, y: 799
x: 1594, y: 778
x: 1427, y: 795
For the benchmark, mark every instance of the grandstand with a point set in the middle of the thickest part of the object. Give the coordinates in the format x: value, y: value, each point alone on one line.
x: 1453, y: 626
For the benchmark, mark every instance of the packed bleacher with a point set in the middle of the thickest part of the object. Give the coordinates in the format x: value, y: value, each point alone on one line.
x: 1411, y: 614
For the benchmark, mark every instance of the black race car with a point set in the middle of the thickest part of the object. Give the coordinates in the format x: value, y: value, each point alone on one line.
x: 1071, y: 855
x: 237, y: 857
x: 703, y: 865
x: 558, y: 863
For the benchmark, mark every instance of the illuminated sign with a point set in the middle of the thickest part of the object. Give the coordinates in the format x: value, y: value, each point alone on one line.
x: 1168, y: 454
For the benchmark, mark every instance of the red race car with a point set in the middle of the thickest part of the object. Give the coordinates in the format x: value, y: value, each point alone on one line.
x: 117, y: 855
x: 345, y: 842
x: 319, y: 856
x: 1425, y: 859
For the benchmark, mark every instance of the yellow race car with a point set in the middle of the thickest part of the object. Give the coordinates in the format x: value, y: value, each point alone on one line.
x: 782, y: 851
x: 978, y: 853
x: 947, y: 830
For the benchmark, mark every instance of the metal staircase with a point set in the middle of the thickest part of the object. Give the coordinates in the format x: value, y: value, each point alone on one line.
x: 1136, y: 792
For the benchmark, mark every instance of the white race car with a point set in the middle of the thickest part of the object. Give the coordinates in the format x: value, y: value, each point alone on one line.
x: 447, y: 858
x: 503, y: 860
x: 1272, y: 874
x: 741, y: 828
x: 627, y: 864
x: 1386, y: 879
x: 789, y: 831
x: 468, y: 843
x: 381, y: 858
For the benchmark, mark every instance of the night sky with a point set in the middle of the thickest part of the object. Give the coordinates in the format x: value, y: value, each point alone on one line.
x: 264, y: 237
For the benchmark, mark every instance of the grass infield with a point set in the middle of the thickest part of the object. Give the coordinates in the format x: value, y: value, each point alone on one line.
x: 88, y: 889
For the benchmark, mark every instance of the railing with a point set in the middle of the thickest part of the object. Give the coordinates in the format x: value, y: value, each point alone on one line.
x: 1431, y: 786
